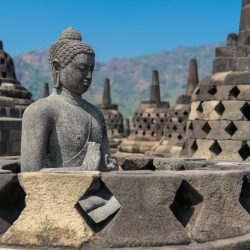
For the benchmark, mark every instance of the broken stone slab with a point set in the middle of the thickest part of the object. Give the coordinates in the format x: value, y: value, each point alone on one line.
x: 181, y: 164
x: 134, y: 162
x: 10, y: 163
x: 50, y: 217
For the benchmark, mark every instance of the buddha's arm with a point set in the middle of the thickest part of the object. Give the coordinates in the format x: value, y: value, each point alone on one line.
x: 35, y: 131
x: 105, y: 150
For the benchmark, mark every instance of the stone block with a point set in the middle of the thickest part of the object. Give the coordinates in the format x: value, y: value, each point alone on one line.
x: 10, y: 124
x: 196, y: 130
x: 202, y: 149
x: 241, y: 129
x: 242, y: 51
x: 6, y: 102
x: 152, y: 222
x: 15, y: 135
x: 10, y: 163
x: 11, y: 200
x: 50, y: 217
x: 233, y: 110
x: 135, y: 162
x: 225, y: 51
x: 4, y: 135
x: 243, y: 64
x: 237, y: 78
x: 224, y: 64
x: 210, y: 112
x: 193, y: 115
x: 180, y: 164
x: 218, y: 131
x: 14, y: 148
x: 226, y: 150
x: 222, y: 213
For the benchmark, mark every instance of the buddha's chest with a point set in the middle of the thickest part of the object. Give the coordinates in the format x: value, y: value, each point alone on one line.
x: 73, y: 128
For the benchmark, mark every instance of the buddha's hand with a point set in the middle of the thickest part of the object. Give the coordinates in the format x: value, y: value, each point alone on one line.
x: 93, y: 157
x: 111, y: 163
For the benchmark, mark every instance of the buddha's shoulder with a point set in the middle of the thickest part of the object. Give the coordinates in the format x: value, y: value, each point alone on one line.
x: 44, y: 106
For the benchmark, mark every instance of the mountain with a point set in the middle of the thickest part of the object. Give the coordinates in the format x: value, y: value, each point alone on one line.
x: 130, y: 77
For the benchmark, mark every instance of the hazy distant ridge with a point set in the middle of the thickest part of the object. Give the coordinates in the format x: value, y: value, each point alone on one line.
x: 130, y: 78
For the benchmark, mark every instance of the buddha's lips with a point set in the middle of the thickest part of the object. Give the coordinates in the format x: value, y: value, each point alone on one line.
x: 86, y: 84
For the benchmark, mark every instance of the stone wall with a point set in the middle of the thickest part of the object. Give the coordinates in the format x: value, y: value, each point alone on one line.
x: 206, y: 207
x: 10, y: 134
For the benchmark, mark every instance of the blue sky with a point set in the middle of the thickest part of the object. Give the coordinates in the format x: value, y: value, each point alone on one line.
x: 118, y: 28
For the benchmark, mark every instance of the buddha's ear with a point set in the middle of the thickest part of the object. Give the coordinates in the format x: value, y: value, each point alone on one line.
x: 56, y: 65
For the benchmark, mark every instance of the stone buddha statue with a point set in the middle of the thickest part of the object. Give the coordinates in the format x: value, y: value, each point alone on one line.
x: 63, y: 130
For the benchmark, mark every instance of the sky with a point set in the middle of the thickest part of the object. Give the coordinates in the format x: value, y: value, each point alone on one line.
x: 118, y: 28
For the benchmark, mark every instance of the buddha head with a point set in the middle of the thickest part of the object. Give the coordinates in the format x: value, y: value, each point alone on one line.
x: 72, y: 62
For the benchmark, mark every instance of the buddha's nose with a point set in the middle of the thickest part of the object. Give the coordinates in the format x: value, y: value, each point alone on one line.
x: 89, y: 75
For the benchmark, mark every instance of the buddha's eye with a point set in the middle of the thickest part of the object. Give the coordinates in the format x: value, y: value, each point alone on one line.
x: 82, y: 67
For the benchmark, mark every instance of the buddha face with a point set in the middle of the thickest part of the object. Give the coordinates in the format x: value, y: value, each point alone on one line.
x: 76, y: 77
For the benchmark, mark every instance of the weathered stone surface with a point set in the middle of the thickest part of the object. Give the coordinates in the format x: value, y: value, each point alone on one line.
x: 226, y: 150
x: 243, y: 63
x: 50, y: 206
x: 225, y: 215
x: 11, y: 200
x: 181, y: 164
x: 135, y: 162
x: 224, y: 64
x: 47, y: 121
x: 113, y: 118
x: 11, y: 163
x: 136, y: 146
x: 148, y: 121
x: 152, y: 223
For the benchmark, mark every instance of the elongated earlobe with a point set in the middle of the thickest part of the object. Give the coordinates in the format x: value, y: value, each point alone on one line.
x: 56, y: 68
x: 58, y: 83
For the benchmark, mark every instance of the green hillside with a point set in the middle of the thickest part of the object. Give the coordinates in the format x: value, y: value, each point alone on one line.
x: 130, y: 77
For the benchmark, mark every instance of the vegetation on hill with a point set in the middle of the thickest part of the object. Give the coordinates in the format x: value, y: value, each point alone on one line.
x: 130, y: 77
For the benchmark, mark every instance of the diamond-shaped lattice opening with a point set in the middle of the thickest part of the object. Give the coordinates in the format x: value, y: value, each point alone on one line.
x: 179, y: 137
x: 231, y: 129
x: 200, y: 108
x: 185, y: 202
x: 220, y: 108
x: 98, y: 206
x: 174, y: 127
x: 212, y: 91
x: 194, y: 146
x: 191, y: 127
x: 197, y: 92
x: 206, y: 128
x: 246, y: 111
x: 234, y: 92
x: 245, y: 194
x: 215, y: 148
x: 244, y: 151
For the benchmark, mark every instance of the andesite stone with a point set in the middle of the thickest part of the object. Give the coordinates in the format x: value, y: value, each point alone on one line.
x: 147, y: 123
x: 220, y: 107
x: 113, y: 118
x: 14, y: 98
